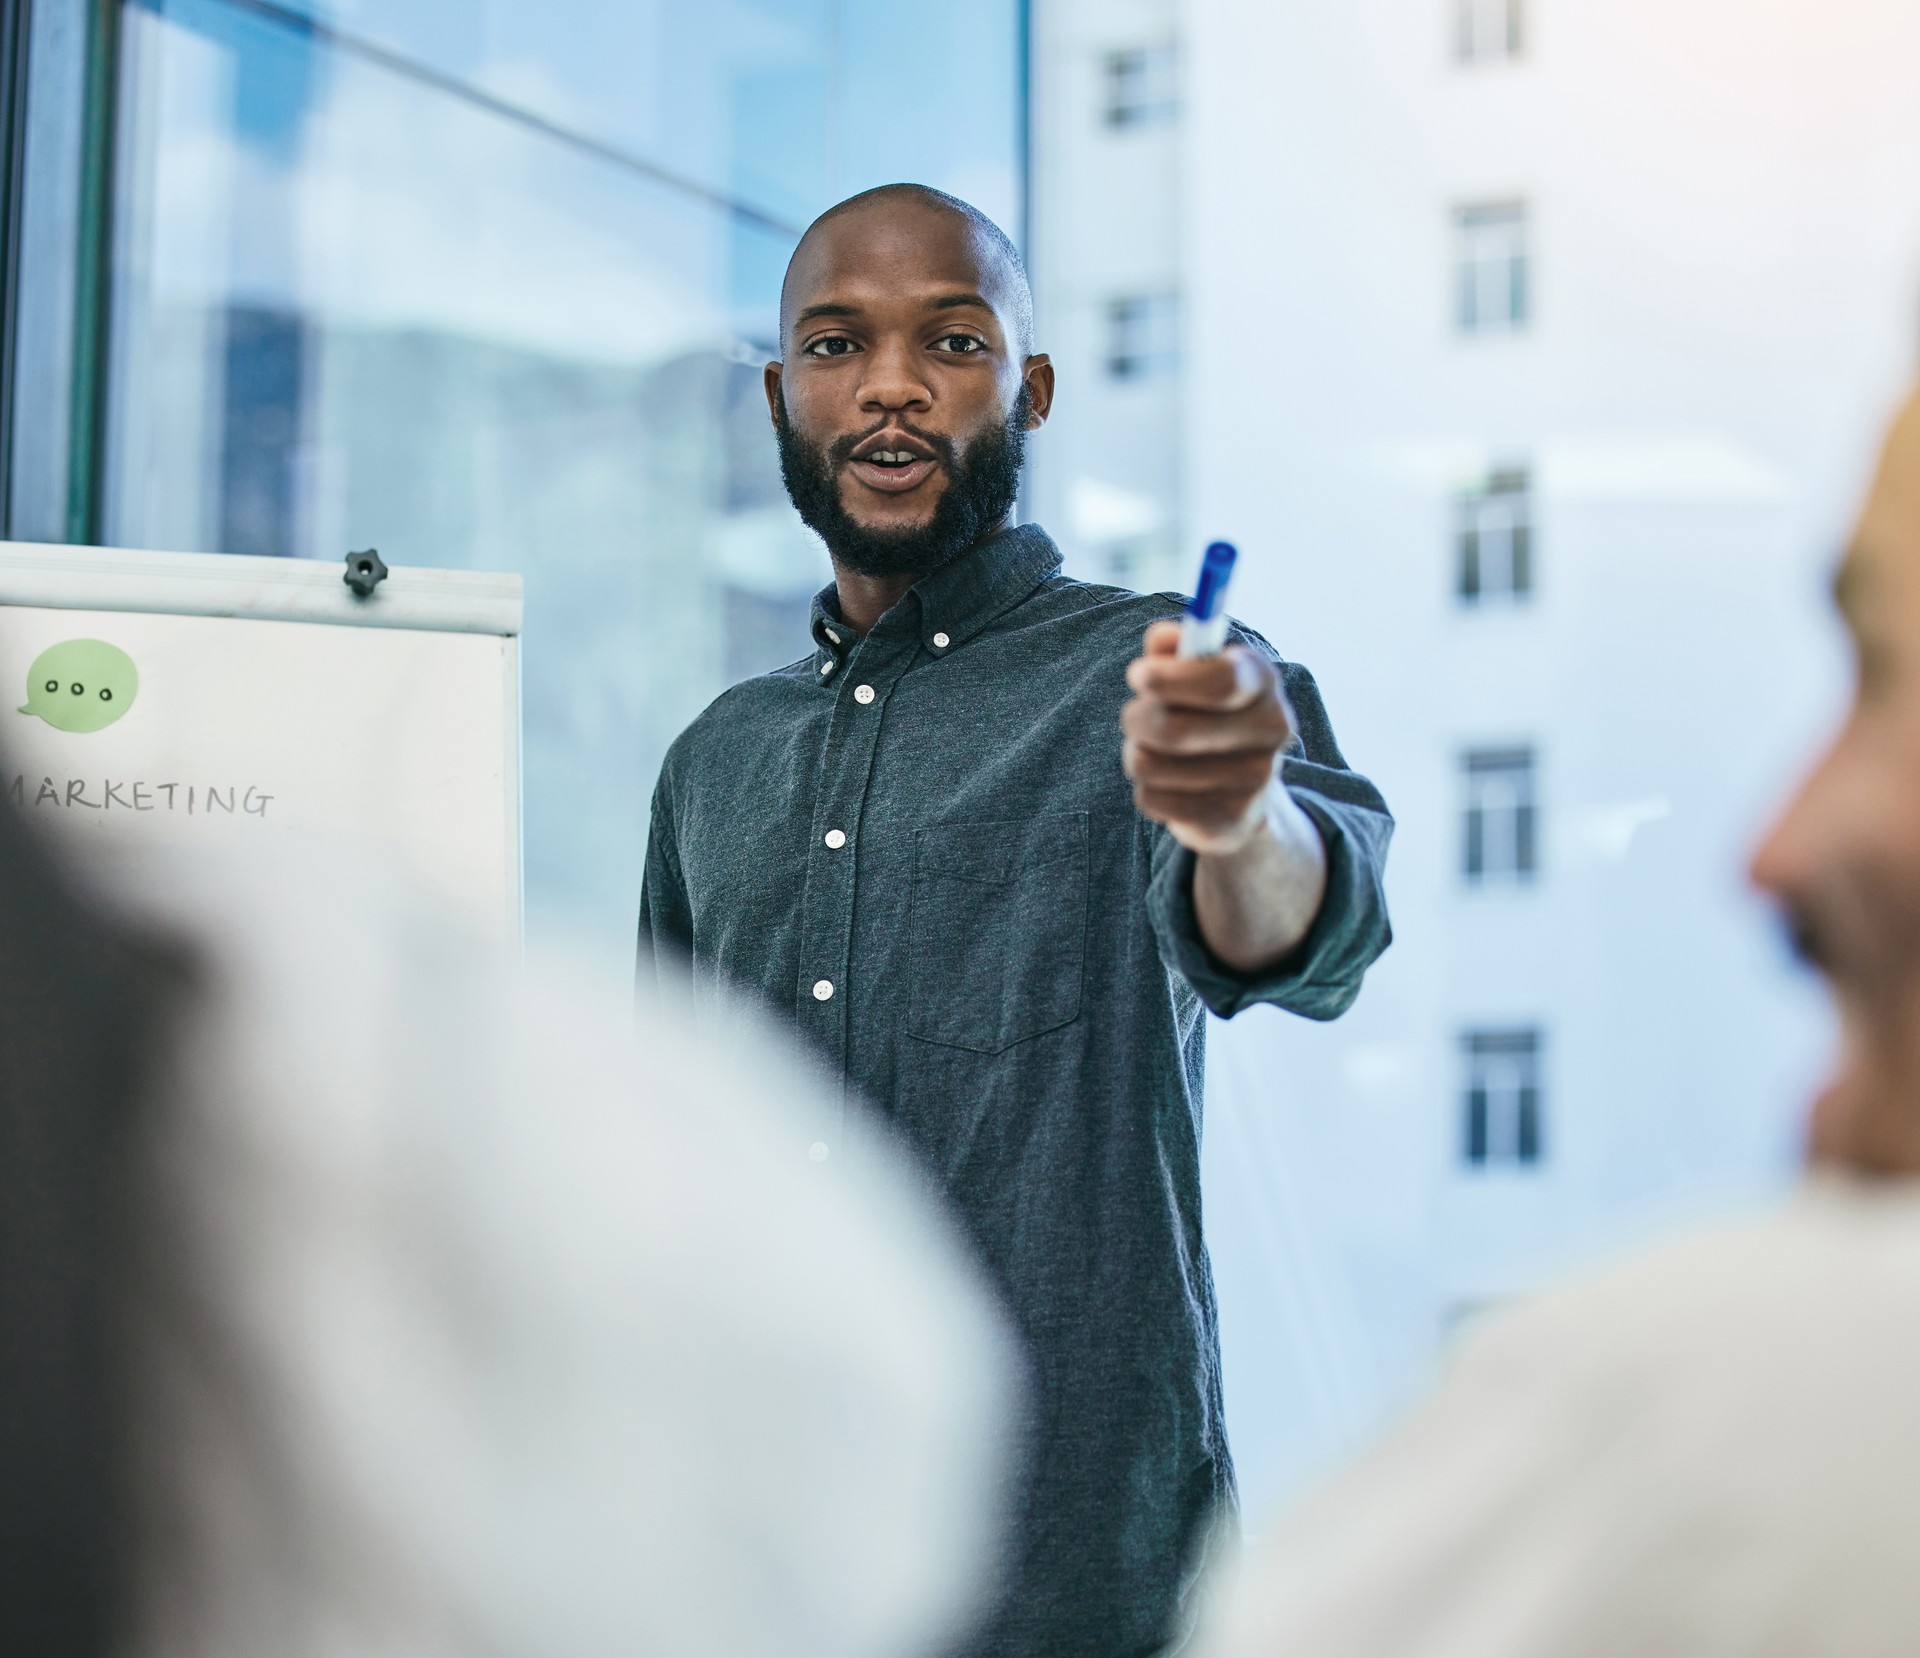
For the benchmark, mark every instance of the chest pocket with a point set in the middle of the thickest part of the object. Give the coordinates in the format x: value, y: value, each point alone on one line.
x: 999, y: 930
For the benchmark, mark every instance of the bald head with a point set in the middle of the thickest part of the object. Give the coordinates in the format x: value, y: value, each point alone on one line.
x: 895, y: 225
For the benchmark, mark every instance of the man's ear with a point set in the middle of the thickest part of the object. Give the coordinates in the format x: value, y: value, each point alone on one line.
x: 1037, y: 371
x: 771, y: 375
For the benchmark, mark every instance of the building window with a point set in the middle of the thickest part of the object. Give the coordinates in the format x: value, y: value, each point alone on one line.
x: 1493, y: 538
x: 1490, y: 268
x: 1143, y: 335
x: 1501, y: 1098
x: 1141, y: 85
x: 1487, y: 31
x: 1502, y: 821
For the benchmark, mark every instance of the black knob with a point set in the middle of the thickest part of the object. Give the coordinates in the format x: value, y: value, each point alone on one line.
x: 365, y: 572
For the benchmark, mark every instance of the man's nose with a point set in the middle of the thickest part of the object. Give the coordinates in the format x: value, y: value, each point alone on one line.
x: 1781, y: 864
x: 893, y: 380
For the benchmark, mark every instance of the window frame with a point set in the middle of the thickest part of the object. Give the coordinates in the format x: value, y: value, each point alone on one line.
x: 1143, y: 336
x: 1504, y: 492
x: 1514, y: 1135
x: 1482, y: 769
x: 15, y: 42
x: 1474, y: 42
x: 1155, y: 68
x: 59, y: 91
x: 1493, y: 296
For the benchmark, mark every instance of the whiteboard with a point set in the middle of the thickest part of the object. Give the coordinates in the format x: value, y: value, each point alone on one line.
x: 268, y: 701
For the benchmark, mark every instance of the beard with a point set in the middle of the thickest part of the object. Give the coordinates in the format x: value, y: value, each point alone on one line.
x: 983, y: 479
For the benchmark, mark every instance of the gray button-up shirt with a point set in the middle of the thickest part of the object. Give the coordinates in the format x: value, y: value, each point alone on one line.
x: 919, y: 847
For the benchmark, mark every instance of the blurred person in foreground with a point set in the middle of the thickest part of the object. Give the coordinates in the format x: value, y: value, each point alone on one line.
x: 359, y: 1297
x: 1714, y: 1450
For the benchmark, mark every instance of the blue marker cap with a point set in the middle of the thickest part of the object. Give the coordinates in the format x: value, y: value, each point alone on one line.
x: 1215, y: 568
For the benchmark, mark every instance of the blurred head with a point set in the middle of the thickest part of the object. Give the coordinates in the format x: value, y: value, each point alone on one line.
x: 1843, y: 860
x: 86, y: 1012
x: 909, y: 380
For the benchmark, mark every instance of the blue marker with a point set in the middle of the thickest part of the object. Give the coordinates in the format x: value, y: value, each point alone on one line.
x: 1203, y: 630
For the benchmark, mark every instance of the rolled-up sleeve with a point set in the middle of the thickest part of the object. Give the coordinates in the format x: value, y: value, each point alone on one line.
x: 1321, y: 977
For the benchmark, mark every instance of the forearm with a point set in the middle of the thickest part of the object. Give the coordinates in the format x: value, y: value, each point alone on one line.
x: 1255, y: 904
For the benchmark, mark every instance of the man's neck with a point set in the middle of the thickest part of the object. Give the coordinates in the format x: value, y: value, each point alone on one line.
x: 865, y: 599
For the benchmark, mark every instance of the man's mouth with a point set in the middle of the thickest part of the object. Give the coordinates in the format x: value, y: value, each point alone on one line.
x: 893, y: 464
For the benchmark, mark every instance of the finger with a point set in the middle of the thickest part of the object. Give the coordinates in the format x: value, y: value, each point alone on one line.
x: 1151, y: 722
x: 1161, y: 639
x: 1204, y: 774
x: 1197, y: 681
x: 1233, y: 678
x: 1210, y: 814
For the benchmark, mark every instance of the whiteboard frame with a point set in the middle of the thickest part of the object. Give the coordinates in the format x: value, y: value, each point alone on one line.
x: 52, y: 577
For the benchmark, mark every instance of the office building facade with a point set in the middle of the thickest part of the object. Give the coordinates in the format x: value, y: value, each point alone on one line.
x: 1535, y: 353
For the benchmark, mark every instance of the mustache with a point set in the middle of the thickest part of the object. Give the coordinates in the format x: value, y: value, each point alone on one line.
x: 1807, y: 939
x: 840, y: 451
x: 1855, y: 930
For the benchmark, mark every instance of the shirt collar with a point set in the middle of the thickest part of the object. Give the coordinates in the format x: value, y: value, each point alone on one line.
x: 954, y: 603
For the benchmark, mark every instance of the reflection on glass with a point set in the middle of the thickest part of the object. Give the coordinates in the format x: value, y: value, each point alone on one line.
x: 358, y: 304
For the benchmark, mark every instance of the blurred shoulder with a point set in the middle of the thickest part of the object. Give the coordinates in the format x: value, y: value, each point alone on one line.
x: 1813, y: 1300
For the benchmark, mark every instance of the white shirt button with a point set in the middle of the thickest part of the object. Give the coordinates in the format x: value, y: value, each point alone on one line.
x: 836, y: 838
x: 833, y: 636
x: 823, y: 990
x: 827, y: 667
x: 941, y: 641
x: 863, y: 693
x: 818, y: 1151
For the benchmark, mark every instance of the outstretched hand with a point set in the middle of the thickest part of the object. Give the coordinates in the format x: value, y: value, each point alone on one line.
x: 1202, y: 736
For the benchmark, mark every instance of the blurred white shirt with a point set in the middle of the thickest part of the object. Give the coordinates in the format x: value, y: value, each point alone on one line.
x: 477, y: 1325
x: 1712, y: 1451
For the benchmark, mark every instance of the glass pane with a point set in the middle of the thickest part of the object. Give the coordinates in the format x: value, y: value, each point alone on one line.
x: 782, y: 105
x: 357, y: 308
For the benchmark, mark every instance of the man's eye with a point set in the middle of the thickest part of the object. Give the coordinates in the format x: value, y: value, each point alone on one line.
x: 834, y: 345
x: 961, y: 345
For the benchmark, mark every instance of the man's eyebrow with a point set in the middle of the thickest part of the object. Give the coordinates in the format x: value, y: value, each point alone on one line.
x: 961, y: 302
x: 827, y: 309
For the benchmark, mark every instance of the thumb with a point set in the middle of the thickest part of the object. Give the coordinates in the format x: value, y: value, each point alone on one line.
x: 1162, y: 639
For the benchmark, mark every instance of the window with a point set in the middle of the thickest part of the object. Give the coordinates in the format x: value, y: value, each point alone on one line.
x: 1501, y: 825
x: 1487, y: 31
x: 1493, y: 538
x: 1490, y: 268
x: 1501, y: 1097
x: 1143, y: 335
x: 1141, y: 85
x: 289, y: 373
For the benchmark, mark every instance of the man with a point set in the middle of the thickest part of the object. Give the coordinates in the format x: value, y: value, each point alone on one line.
x: 1715, y: 1451
x: 922, y: 844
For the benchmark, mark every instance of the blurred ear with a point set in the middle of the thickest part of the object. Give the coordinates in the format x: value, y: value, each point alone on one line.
x: 771, y: 377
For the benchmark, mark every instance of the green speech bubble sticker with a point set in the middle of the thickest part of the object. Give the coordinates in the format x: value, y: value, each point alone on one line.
x: 81, y: 685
